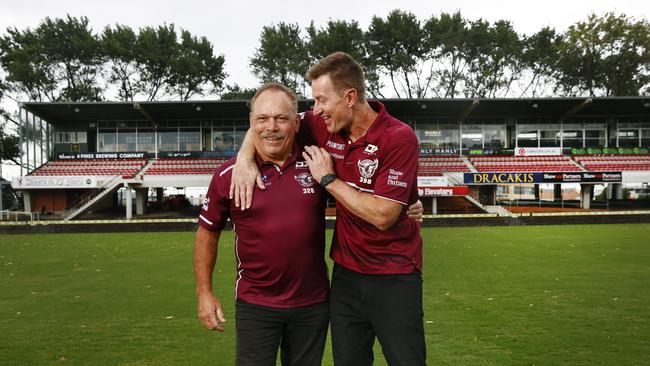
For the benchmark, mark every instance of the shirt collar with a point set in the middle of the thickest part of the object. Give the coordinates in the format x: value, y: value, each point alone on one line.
x: 295, y: 152
x: 378, y: 126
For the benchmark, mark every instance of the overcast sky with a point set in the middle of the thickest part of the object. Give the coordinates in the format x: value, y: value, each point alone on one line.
x: 234, y: 27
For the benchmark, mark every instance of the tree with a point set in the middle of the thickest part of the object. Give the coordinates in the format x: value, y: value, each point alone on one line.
x: 235, y: 92
x: 281, y: 56
x: 606, y: 55
x: 397, y: 47
x: 539, y: 57
x: 120, y: 54
x: 195, y: 70
x: 339, y: 35
x: 156, y: 50
x: 58, y: 61
x: 447, y: 38
x: 494, y: 51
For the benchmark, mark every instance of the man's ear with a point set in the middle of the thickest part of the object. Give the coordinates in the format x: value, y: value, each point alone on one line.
x: 351, y: 97
x: 250, y: 119
x: 297, y: 122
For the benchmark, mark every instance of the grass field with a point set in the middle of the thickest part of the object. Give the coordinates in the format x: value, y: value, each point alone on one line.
x: 545, y: 295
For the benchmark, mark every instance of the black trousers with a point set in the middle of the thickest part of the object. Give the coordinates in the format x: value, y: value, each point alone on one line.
x: 388, y: 307
x: 299, y: 332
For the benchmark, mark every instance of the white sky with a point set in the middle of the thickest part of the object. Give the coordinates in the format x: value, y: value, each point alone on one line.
x: 234, y: 27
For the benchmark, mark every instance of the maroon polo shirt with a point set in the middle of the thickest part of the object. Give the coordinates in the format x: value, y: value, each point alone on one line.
x: 384, y: 163
x: 280, y: 240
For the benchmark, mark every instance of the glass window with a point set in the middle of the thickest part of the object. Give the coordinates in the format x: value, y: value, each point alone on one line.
x: 527, y: 138
x: 107, y: 141
x: 495, y: 136
x: 189, y: 140
x: 645, y: 138
x: 167, y: 139
x: 146, y: 140
x: 126, y: 140
x: 223, y: 137
x: 472, y: 137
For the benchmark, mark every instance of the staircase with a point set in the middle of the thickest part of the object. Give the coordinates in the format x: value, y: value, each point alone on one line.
x: 499, y: 210
x: 475, y: 202
x: 86, y: 202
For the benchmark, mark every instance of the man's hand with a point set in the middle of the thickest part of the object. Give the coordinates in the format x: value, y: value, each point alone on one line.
x: 319, y: 161
x: 415, y: 211
x: 244, y: 176
x: 210, y: 312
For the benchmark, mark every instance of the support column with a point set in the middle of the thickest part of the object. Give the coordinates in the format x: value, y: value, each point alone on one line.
x: 585, y: 195
x: 159, y: 195
x: 618, y: 191
x: 557, y: 192
x: 129, y: 205
x: 27, y: 202
x: 141, y: 196
x: 434, y: 206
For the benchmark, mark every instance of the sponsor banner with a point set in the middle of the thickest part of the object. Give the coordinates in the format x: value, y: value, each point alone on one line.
x: 31, y: 182
x: 103, y: 155
x: 498, y: 178
x: 439, y: 151
x: 443, y: 191
x: 196, y: 154
x: 435, y: 181
x: 581, y: 177
x: 553, y: 177
x: 537, y: 151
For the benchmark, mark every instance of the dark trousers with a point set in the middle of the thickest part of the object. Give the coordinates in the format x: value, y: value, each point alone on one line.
x: 388, y: 307
x: 299, y: 332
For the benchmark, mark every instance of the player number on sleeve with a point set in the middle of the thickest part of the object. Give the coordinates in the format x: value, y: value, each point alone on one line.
x: 307, y: 190
x: 365, y: 180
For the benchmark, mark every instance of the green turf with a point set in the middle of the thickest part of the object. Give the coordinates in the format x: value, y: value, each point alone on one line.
x: 545, y: 295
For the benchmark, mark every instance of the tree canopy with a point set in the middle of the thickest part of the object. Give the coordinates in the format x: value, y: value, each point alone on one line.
x: 449, y: 56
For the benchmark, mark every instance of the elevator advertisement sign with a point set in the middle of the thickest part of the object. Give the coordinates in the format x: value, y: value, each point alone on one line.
x: 560, y: 177
x: 443, y: 191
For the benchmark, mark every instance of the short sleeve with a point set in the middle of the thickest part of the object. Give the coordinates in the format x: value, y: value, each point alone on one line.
x: 312, y: 130
x: 398, y: 171
x: 216, y: 206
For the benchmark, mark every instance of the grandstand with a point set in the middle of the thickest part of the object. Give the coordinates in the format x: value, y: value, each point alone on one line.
x: 81, y: 156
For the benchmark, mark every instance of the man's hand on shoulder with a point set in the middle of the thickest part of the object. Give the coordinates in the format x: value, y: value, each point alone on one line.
x: 210, y: 312
x: 242, y: 184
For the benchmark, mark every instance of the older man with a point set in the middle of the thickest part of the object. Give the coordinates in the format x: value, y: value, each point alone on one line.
x: 282, y: 284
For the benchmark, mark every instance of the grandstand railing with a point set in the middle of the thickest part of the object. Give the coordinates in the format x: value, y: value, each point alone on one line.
x: 6, y: 215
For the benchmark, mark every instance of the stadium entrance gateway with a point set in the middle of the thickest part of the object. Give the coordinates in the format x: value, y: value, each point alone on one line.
x: 76, y: 156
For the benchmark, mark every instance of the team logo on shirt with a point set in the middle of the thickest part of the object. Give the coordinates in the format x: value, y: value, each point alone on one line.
x: 367, y: 167
x: 206, y: 203
x: 371, y: 149
x: 305, y: 179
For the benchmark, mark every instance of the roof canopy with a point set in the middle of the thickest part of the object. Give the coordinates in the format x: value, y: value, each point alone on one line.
x: 61, y: 113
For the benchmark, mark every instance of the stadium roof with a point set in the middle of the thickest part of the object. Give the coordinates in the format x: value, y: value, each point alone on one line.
x: 453, y: 109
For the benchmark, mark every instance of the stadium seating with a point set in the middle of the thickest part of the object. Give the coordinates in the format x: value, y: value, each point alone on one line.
x: 184, y: 166
x: 555, y: 163
x: 437, y: 165
x: 599, y: 163
x: 127, y: 168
